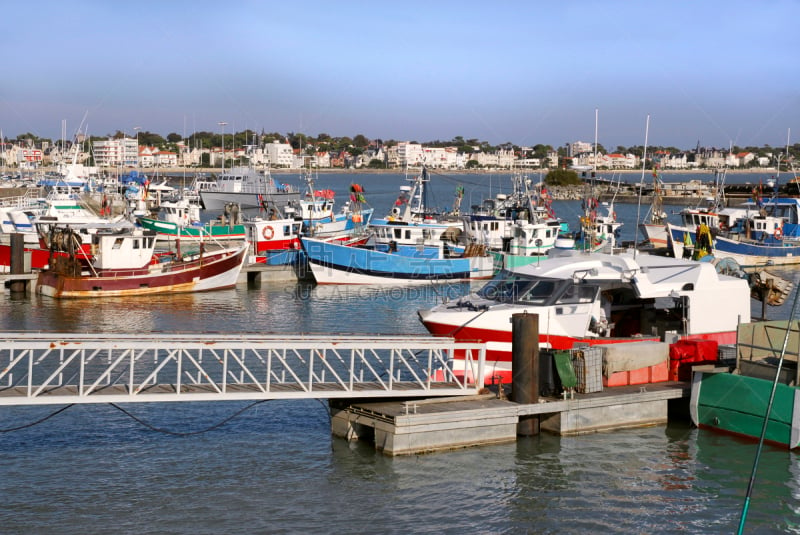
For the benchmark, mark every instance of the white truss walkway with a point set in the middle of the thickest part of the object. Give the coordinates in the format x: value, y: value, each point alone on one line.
x: 57, y: 368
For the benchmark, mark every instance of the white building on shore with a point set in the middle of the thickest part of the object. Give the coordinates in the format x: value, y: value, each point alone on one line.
x: 116, y: 152
x: 279, y: 154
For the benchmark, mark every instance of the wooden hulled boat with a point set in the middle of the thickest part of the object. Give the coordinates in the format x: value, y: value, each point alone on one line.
x: 125, y: 263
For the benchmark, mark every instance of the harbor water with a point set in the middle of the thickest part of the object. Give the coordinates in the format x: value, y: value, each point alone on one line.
x: 273, y: 467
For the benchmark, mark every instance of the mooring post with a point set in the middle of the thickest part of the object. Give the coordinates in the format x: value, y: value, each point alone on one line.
x: 525, y: 367
x: 17, y: 266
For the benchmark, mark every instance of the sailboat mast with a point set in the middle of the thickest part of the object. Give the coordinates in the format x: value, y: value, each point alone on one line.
x: 641, y: 181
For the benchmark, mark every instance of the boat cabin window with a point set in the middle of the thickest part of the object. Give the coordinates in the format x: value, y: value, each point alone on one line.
x: 538, y: 293
x: 577, y: 293
x: 117, y: 243
x: 785, y: 212
x: 504, y: 287
x: 507, y: 287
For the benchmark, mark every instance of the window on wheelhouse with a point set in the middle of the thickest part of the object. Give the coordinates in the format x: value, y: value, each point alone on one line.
x: 507, y: 287
x: 577, y: 293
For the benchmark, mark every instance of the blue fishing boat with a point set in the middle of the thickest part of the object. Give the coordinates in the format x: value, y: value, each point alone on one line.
x: 758, y: 233
x: 396, y: 264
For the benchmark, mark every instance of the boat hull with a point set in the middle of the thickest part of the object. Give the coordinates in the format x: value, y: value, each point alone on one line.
x: 746, y: 253
x: 332, y: 263
x: 213, y: 271
x: 172, y: 231
x: 737, y: 404
x: 656, y: 234
x: 39, y: 257
x: 216, y: 200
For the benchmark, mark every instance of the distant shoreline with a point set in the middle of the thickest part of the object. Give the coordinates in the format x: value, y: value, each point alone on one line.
x: 601, y: 172
x: 367, y: 171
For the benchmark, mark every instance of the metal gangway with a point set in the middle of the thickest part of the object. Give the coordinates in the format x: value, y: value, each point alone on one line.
x: 56, y: 368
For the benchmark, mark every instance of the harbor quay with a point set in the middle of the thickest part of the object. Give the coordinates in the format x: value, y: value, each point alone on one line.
x: 405, y: 427
x: 579, y: 405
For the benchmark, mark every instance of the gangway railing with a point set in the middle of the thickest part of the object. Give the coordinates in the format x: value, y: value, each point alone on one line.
x: 56, y: 368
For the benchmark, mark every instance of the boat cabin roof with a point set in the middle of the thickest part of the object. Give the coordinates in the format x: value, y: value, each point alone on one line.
x: 651, y: 275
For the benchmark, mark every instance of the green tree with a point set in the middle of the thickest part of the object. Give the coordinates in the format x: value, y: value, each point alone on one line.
x: 150, y: 139
x: 472, y: 164
x: 562, y: 177
x: 541, y: 151
x: 376, y: 164
x: 360, y: 141
x: 173, y: 137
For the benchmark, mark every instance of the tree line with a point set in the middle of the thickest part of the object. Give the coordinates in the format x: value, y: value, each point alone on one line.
x: 357, y: 144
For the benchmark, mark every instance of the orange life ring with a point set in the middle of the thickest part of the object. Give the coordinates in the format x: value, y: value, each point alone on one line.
x: 778, y: 233
x: 614, y: 216
x: 267, y: 232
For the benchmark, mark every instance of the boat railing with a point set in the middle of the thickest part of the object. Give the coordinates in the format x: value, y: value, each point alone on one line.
x: 58, y: 368
x: 759, y: 345
x: 30, y: 198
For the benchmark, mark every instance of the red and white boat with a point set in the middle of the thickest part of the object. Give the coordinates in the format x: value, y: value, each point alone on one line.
x: 124, y: 262
x: 597, y: 298
x: 272, y: 239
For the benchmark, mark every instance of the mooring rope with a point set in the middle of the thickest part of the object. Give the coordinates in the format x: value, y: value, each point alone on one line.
x: 187, y: 433
x: 37, y: 422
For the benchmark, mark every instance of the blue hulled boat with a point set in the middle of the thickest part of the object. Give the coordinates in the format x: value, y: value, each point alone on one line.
x: 395, y: 264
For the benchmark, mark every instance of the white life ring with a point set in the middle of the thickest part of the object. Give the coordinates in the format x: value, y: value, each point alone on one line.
x: 267, y: 232
x: 778, y: 233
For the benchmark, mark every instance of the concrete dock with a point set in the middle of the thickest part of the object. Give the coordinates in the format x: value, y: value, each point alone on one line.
x: 255, y: 274
x: 421, y: 426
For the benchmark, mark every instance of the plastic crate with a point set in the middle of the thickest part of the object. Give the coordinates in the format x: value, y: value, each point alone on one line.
x: 588, y: 366
x: 727, y: 354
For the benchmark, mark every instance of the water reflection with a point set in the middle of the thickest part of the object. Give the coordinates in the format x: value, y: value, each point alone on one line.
x: 273, y: 308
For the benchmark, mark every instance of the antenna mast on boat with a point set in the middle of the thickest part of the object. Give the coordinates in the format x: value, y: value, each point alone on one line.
x: 641, y: 183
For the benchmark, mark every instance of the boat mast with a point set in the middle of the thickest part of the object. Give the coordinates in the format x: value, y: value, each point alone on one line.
x: 641, y: 180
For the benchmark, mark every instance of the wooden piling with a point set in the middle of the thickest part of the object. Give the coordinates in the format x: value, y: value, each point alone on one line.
x: 525, y: 367
x: 17, y: 266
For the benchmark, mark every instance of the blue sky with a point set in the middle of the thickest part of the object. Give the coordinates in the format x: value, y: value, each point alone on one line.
x: 526, y: 72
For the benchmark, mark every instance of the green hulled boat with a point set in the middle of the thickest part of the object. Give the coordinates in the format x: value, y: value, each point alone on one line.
x: 210, y: 230
x: 734, y: 400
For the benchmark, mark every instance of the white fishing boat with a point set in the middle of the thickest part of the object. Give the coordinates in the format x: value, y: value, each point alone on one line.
x: 410, y: 222
x: 250, y: 189
x: 598, y: 298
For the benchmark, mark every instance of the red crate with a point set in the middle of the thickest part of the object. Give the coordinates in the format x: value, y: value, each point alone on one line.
x: 694, y: 351
x: 651, y: 374
x: 684, y: 354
